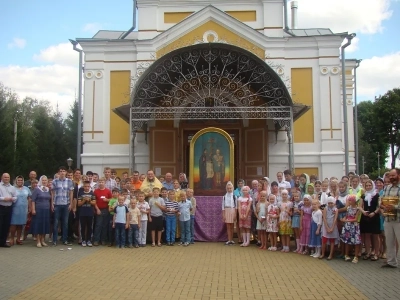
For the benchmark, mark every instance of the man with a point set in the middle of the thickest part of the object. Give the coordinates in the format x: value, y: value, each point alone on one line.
x: 149, y: 183
x: 103, y: 196
x: 8, y: 196
x: 135, y: 180
x: 62, y: 202
x: 168, y: 183
x: 279, y: 176
x: 288, y: 178
x: 392, y: 223
x: 32, y: 177
x: 109, y: 182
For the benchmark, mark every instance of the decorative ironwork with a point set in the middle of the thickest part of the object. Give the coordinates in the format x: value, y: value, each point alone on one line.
x: 216, y: 75
x: 281, y: 115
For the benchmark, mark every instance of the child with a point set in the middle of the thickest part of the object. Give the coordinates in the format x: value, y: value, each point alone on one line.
x: 172, y: 208
x: 184, y: 206
x: 229, y: 209
x: 315, y: 230
x: 351, y: 229
x: 244, y: 207
x: 317, y: 187
x: 189, y: 195
x: 305, y: 223
x: 272, y: 221
x: 324, y: 194
x: 164, y: 196
x: 285, y: 221
x: 297, y: 204
x: 144, y: 208
x: 86, y: 202
x: 261, y: 219
x: 111, y: 205
x: 330, y: 231
x: 157, y: 206
x: 120, y: 222
x: 134, y: 220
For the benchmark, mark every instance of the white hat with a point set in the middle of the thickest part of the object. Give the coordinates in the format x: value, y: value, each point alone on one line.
x: 285, y: 184
x: 330, y: 199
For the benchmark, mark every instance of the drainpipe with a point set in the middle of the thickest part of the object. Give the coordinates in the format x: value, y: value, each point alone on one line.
x: 294, y: 6
x: 285, y: 14
x: 134, y: 22
x: 345, y: 126
x: 356, y: 114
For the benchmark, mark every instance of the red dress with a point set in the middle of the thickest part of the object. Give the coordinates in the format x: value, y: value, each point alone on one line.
x: 243, y: 204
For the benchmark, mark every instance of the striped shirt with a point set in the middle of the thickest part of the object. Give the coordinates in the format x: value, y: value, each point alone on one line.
x: 61, y: 189
x: 111, y: 184
x: 171, y: 207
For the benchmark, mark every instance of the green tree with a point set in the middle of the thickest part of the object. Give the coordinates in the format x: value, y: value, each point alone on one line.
x: 387, y: 113
x: 370, y: 140
x: 71, y: 132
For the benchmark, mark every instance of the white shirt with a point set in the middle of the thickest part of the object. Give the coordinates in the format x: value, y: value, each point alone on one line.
x: 324, y: 198
x: 228, y: 201
x: 317, y: 216
x: 143, y: 206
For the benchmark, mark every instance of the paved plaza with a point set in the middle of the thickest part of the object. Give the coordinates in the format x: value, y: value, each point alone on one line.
x: 200, y: 271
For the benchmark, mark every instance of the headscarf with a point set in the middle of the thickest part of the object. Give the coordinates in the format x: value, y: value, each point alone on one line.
x: 40, y: 184
x: 303, y: 187
x: 330, y: 200
x: 268, y: 190
x: 346, y: 192
x: 307, y: 196
x: 312, y: 185
x: 370, y: 194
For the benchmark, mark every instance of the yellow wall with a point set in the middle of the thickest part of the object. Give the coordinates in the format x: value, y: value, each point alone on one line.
x: 243, y: 15
x: 176, y: 17
x: 302, y: 92
x: 119, y: 94
x: 309, y: 171
x: 223, y: 34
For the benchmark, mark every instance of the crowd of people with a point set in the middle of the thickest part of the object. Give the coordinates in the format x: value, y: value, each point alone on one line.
x: 321, y: 216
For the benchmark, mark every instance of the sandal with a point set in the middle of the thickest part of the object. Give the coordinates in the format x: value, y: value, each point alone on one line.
x: 159, y: 244
x: 305, y: 252
x: 329, y: 258
x: 355, y: 260
x: 374, y: 258
x: 18, y: 242
x: 383, y: 256
x: 153, y: 245
x: 366, y: 257
x: 347, y: 258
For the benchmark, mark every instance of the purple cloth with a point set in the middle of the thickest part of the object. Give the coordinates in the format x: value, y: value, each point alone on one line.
x: 208, y: 226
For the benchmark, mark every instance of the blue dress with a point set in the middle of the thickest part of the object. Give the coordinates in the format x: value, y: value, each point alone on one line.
x: 20, y: 207
x: 41, y: 221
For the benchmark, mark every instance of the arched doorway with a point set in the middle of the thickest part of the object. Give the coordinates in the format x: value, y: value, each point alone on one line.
x: 211, y: 84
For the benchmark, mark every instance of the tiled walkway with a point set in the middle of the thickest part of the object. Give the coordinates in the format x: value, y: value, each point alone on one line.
x: 200, y: 271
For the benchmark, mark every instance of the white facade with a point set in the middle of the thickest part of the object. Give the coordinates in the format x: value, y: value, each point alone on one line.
x: 105, y: 53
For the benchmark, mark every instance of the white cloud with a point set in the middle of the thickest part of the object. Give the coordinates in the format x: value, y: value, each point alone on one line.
x: 17, y: 43
x: 363, y: 16
x: 61, y: 54
x: 56, y: 81
x: 91, y: 27
x: 377, y: 75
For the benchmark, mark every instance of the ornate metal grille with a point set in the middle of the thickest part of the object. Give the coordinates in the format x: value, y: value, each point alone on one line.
x: 216, y: 75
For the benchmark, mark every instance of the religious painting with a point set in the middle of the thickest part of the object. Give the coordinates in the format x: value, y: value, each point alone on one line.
x: 211, y: 161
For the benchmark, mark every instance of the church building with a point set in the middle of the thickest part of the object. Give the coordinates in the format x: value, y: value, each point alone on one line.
x: 234, y: 65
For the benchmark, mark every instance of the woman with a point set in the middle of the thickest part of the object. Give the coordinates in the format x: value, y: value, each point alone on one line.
x: 20, y: 210
x: 380, y: 184
x: 183, y: 181
x: 304, y: 180
x: 41, y: 199
x: 370, y: 226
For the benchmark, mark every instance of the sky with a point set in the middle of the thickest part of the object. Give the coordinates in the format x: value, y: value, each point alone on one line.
x: 37, y: 60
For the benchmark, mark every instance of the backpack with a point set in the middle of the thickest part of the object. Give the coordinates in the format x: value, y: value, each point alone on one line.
x: 234, y: 200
